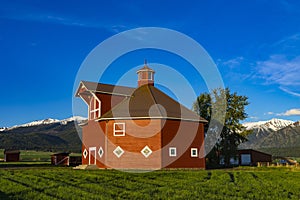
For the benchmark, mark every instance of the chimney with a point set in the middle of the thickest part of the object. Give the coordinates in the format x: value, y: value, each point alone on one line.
x: 145, y: 75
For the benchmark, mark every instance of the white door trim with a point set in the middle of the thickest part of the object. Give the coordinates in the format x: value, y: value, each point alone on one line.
x: 90, y: 153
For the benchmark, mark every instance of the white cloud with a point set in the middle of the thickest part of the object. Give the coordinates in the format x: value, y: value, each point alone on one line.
x: 283, y: 65
x: 29, y: 13
x: 287, y: 41
x: 235, y: 68
x: 235, y: 62
x: 269, y: 113
x: 290, y: 92
x: 291, y: 112
x: 253, y: 117
x: 280, y: 70
x: 53, y: 18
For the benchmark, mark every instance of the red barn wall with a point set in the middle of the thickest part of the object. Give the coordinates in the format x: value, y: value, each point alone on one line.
x: 12, y: 157
x: 256, y: 156
x: 139, y: 133
x: 60, y: 159
x: 183, y: 135
x: 144, y: 132
x: 93, y: 135
x: 108, y: 101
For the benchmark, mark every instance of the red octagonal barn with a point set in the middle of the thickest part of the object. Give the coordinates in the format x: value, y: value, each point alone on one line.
x: 139, y: 128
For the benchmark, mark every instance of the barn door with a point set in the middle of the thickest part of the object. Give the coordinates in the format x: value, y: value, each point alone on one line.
x: 92, y: 156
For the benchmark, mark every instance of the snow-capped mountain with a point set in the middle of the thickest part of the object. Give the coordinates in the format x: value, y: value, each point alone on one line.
x: 275, y: 133
x: 78, y: 119
x: 36, y: 123
x: 3, y: 129
x: 44, y: 135
x: 296, y: 124
x: 273, y: 124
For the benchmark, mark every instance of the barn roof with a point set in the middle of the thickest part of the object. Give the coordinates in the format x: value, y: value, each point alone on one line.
x: 11, y: 151
x: 149, y: 102
x: 252, y: 150
x: 145, y: 68
x: 103, y: 88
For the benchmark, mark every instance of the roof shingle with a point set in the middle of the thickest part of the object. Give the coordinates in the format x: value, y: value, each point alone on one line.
x: 149, y: 102
x: 105, y: 88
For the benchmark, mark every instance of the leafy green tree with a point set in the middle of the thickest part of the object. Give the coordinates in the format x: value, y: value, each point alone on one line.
x: 209, y: 106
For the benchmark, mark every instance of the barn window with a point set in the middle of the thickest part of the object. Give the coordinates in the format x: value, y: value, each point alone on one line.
x: 194, y: 152
x: 85, y: 153
x: 172, y: 151
x: 146, y: 151
x: 100, y: 152
x: 119, y: 129
x: 118, y: 151
x: 150, y: 75
x: 94, y: 108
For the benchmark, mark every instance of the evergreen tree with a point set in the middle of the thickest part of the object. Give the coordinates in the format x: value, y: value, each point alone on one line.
x: 209, y: 106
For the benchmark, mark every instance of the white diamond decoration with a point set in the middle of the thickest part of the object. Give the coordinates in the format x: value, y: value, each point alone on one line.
x: 100, y: 152
x: 118, y: 152
x: 146, y: 151
x: 85, y: 153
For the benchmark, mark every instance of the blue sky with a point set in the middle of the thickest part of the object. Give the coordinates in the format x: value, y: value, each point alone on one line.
x: 255, y: 44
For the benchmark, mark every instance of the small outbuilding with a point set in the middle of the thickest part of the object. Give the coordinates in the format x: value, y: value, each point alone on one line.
x: 250, y: 157
x: 75, y: 160
x: 60, y: 159
x: 11, y: 155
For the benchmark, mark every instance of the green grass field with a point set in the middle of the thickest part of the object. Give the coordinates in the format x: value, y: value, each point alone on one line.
x: 66, y: 183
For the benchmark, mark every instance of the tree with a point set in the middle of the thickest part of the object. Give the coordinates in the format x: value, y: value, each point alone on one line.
x: 209, y: 106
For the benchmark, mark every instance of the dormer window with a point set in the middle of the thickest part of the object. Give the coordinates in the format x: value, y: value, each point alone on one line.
x: 94, y: 108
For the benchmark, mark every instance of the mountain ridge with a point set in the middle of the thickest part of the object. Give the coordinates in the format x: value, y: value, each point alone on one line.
x: 44, y: 135
x: 274, y: 124
x: 276, y: 134
x: 78, y: 119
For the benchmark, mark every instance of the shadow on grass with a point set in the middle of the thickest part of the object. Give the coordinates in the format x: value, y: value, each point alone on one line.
x: 4, y: 165
x: 3, y: 195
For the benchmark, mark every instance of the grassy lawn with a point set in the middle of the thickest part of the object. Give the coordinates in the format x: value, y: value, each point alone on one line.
x: 66, y: 183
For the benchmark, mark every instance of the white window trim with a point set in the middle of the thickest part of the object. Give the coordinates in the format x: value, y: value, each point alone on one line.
x: 122, y: 131
x: 151, y: 77
x: 85, y: 153
x: 170, y: 152
x: 92, y: 113
x: 118, y: 149
x: 194, y: 155
x: 100, y: 152
x: 149, y: 151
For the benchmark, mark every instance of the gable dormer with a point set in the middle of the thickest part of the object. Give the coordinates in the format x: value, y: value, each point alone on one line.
x: 100, y: 98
